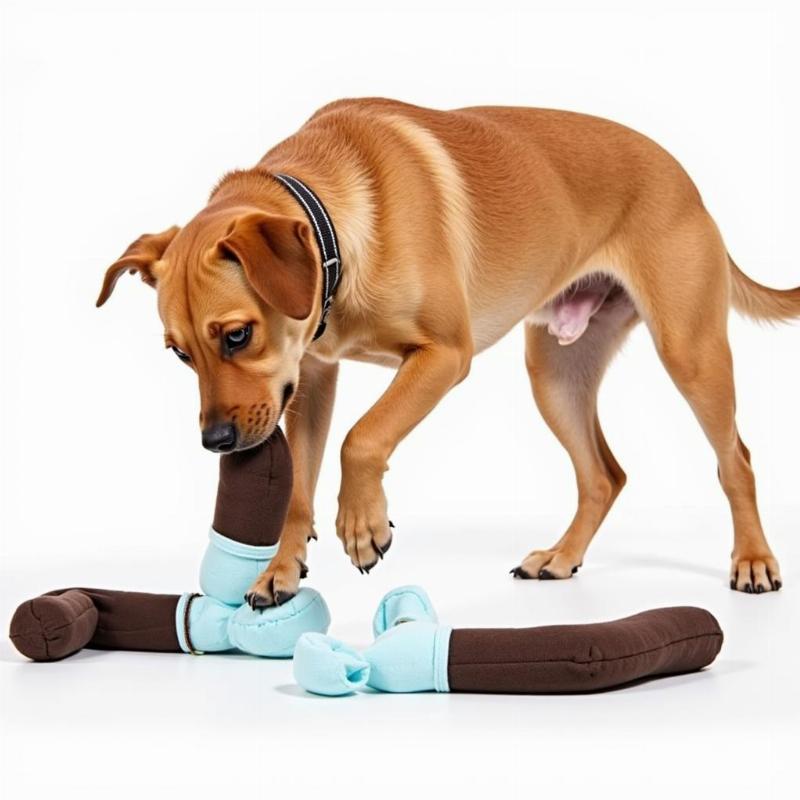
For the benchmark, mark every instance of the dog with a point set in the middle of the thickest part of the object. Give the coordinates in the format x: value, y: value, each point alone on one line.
x: 452, y: 227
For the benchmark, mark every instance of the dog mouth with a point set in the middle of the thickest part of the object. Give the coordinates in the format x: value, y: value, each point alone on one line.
x: 246, y: 440
x: 233, y: 436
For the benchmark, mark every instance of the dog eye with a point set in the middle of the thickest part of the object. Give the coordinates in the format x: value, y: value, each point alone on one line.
x: 236, y: 340
x: 185, y: 357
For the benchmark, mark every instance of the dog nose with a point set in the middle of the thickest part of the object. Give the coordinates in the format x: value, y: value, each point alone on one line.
x: 220, y: 438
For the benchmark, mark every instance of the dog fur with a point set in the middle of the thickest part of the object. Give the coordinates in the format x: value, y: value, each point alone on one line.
x: 454, y: 227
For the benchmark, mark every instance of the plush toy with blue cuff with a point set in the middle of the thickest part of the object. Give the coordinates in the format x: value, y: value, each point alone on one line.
x: 252, y: 498
x: 413, y: 652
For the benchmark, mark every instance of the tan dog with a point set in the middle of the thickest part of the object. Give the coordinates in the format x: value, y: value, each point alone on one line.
x: 453, y: 227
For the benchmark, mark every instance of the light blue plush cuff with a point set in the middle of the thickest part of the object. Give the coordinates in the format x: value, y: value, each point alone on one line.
x: 208, y: 624
x: 230, y: 567
x: 404, y: 604
x: 274, y: 631
x: 324, y: 665
x: 410, y: 658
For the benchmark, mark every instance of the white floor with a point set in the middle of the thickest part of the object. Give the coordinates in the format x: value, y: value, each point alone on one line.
x: 113, y: 724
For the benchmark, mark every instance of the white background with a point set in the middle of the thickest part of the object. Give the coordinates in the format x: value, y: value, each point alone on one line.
x: 117, y: 118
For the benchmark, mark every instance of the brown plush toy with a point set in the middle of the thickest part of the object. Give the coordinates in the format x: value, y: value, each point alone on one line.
x: 411, y: 652
x: 252, y: 499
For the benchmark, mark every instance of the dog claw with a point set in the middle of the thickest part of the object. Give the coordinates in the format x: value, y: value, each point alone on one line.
x: 381, y: 551
x: 520, y: 573
x: 733, y: 584
x: 748, y: 588
x: 777, y: 585
x: 546, y: 575
x: 256, y: 601
x: 283, y: 597
x: 391, y: 524
x: 303, y: 568
x: 574, y: 570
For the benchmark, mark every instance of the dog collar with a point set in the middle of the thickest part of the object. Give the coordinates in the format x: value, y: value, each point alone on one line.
x: 326, y: 239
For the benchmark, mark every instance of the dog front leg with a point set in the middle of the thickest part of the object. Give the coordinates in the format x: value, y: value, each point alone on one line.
x: 308, y: 420
x: 425, y: 376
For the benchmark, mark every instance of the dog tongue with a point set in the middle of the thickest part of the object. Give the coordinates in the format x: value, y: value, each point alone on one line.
x: 571, y: 314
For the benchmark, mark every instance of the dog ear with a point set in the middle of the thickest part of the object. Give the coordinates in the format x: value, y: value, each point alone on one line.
x: 139, y: 257
x: 278, y: 258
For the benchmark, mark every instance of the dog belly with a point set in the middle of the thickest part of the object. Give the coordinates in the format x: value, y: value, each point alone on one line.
x: 487, y: 329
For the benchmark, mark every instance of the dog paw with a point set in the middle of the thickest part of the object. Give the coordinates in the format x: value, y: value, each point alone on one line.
x: 364, y: 528
x: 278, y: 584
x: 755, y: 574
x: 546, y: 565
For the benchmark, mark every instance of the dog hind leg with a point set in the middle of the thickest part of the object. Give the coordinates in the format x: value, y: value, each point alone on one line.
x: 689, y: 276
x: 565, y: 381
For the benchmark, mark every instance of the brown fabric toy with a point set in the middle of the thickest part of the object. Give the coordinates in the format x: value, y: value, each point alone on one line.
x: 252, y: 499
x: 413, y: 653
x: 58, y: 624
x: 582, y: 658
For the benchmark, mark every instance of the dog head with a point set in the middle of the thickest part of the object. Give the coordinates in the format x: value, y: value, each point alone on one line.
x: 238, y: 293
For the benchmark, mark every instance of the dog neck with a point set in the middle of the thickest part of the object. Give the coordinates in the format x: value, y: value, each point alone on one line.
x: 348, y: 197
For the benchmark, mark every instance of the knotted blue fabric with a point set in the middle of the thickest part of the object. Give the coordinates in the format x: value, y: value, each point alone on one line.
x: 410, y: 652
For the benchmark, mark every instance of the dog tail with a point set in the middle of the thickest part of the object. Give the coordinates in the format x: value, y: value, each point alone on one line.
x: 760, y: 302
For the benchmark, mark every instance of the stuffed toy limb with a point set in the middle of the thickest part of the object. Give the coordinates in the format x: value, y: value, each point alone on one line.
x: 252, y: 498
x: 413, y: 653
